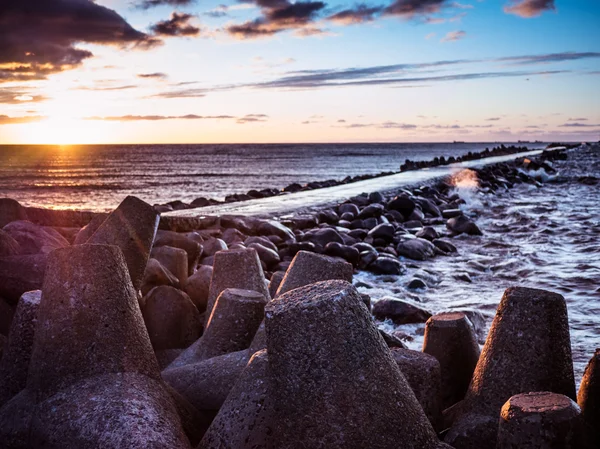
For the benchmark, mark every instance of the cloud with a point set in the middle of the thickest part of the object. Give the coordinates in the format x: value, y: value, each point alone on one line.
x: 581, y: 119
x: 177, y: 25
x: 156, y: 75
x: 183, y: 93
x: 6, y: 120
x: 250, y: 118
x: 278, y: 16
x: 39, y: 37
x: 359, y: 14
x: 452, y: 36
x: 409, y: 9
x: 492, y: 119
x: 529, y: 8
x: 109, y: 88
x: 147, y: 4
x: 579, y: 125
x: 548, y: 58
x: 19, y: 96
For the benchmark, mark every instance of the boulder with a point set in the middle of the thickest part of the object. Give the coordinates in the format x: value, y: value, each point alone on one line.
x: 326, y: 374
x: 428, y: 233
x: 11, y: 210
x: 416, y: 249
x: 176, y: 240
x: 348, y: 208
x: 275, y: 282
x: 212, y: 246
x: 20, y: 274
x: 173, y: 259
x: 451, y: 339
x: 14, y: 363
x: 156, y: 275
x: 88, y: 230
x: 234, y: 320
x: 236, y: 269
x: 322, y: 236
x: 308, y: 268
x: 528, y: 349
x: 172, y: 319
x: 271, y: 227
x: 422, y: 372
x: 8, y: 245
x: 34, y: 239
x: 198, y: 285
x: 372, y: 210
x: 132, y: 227
x: 385, y: 265
x: 444, y: 246
x: 383, y: 231
x: 269, y: 256
x: 348, y: 253
x: 402, y: 204
x: 462, y: 225
x: 244, y: 421
x: 400, y: 312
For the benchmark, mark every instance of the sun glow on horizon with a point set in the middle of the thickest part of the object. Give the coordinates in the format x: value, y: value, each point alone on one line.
x: 63, y: 130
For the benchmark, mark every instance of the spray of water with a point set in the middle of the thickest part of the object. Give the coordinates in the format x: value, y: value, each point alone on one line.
x: 466, y: 184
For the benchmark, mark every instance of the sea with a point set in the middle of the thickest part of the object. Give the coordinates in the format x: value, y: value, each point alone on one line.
x: 541, y: 236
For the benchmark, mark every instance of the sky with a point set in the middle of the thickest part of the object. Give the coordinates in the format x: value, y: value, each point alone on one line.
x: 268, y: 71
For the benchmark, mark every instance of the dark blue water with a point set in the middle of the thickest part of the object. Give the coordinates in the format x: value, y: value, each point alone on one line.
x: 98, y: 177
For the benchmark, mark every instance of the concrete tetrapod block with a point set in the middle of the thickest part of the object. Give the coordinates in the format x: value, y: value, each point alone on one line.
x: 308, y: 268
x: 234, y: 320
x: 527, y: 349
x: 89, y: 321
x: 244, y: 421
x: 588, y: 399
x: 333, y: 381
x: 206, y: 384
x: 422, y: 372
x: 171, y: 318
x: 132, y: 227
x: 451, y: 339
x: 236, y: 269
x: 539, y: 420
x: 173, y: 259
x: 15, y: 360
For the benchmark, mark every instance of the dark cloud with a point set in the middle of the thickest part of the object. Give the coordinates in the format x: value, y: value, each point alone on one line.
x: 6, y: 120
x: 219, y: 11
x: 183, y: 93
x: 157, y: 75
x: 410, y: 9
x: 147, y: 4
x: 278, y: 16
x: 251, y: 118
x: 359, y: 14
x: 529, y: 8
x: 550, y: 57
x: 177, y: 25
x: 38, y: 37
x: 579, y: 125
x: 19, y: 96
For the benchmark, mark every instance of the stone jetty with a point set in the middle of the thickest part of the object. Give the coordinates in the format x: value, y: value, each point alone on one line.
x: 240, y: 333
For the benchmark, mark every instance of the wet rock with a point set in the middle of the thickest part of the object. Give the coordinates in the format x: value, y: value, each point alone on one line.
x: 413, y: 225
x: 416, y: 284
x: 376, y: 197
x: 429, y: 207
x: 462, y: 225
x: 11, y: 210
x: 391, y: 340
x: 8, y: 245
x: 14, y: 363
x: 346, y: 217
x: 264, y: 241
x: 450, y: 338
x: 328, y: 216
x: 275, y: 282
x: 402, y: 204
x: 349, y: 208
x: 451, y: 213
x: 236, y: 269
x: 198, y: 285
x: 269, y: 256
x: 20, y: 274
x: 422, y: 372
x: 34, y: 239
x: 400, y: 312
x: 308, y: 268
x: 416, y: 249
x: 172, y: 319
x: 588, y: 399
x: 244, y: 421
x: 206, y: 384
x: 271, y: 227
x: 539, y: 420
x: 323, y: 236
x: 366, y: 259
x: 176, y: 240
x: 528, y: 349
x: 173, y: 259
x: 444, y: 246
x: 372, y: 210
x: 318, y: 385
x: 304, y: 222
x: 232, y: 236
x: 348, y: 253
x: 213, y: 245
x: 156, y: 275
x: 416, y: 215
x: 428, y: 233
x: 230, y: 327
x: 386, y: 265
x: 383, y: 231
x: 132, y: 227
